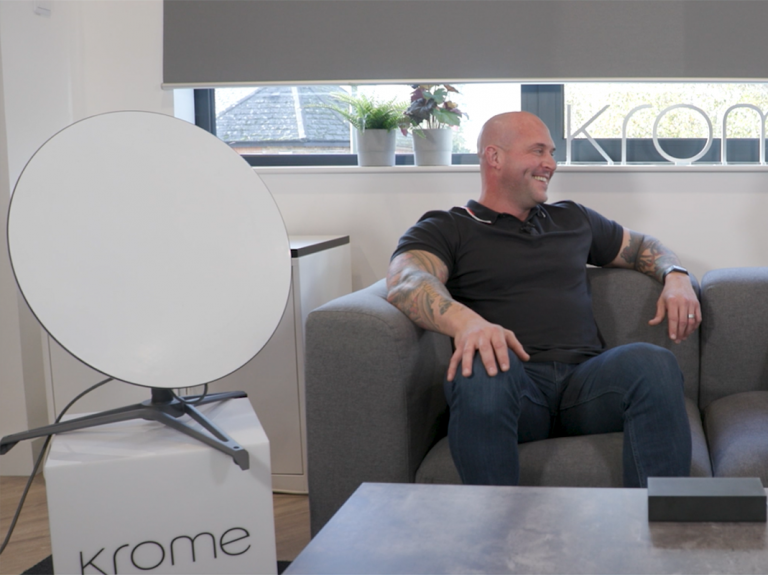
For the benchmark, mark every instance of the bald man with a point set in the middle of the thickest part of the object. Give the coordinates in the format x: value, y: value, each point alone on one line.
x: 505, y: 277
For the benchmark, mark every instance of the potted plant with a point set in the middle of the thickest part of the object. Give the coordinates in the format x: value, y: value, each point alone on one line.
x: 375, y: 123
x: 430, y: 117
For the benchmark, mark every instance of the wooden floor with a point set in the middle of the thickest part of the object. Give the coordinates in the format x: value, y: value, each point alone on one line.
x: 31, y: 541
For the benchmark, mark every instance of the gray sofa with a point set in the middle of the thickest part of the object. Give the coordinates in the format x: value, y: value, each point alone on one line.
x: 376, y: 410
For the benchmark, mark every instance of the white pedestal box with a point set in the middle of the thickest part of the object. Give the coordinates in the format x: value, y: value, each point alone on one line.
x: 140, y: 497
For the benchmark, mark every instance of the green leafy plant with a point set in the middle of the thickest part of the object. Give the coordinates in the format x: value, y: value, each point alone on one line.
x: 430, y: 108
x: 368, y: 113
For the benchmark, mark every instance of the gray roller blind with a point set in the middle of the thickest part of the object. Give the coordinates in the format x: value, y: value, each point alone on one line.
x: 237, y: 42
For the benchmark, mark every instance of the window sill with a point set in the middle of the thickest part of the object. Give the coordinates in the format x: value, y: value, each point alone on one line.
x: 580, y: 168
x: 365, y: 170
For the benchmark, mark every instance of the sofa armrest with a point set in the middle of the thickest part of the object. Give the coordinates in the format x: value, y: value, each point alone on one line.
x: 374, y: 397
x: 734, y: 332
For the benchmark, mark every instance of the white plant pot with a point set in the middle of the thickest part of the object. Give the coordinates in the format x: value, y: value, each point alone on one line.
x: 433, y: 147
x: 375, y: 147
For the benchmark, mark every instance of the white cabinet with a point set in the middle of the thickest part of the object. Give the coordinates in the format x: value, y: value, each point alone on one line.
x: 274, y: 379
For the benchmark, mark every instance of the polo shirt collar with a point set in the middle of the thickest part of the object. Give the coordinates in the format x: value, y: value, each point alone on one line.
x: 486, y: 215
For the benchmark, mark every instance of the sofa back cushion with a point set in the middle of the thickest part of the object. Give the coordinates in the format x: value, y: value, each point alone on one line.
x: 734, y: 339
x: 623, y: 301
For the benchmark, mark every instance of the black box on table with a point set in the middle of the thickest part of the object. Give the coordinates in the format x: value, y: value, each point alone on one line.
x: 706, y: 499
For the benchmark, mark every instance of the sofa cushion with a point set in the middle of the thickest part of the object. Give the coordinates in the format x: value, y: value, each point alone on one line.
x: 701, y: 466
x: 438, y: 466
x: 583, y: 461
x: 737, y: 429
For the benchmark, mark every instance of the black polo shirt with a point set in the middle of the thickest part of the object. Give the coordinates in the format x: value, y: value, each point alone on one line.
x: 529, y: 277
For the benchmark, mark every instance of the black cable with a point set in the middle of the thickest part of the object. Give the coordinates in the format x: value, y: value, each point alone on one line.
x: 39, y: 460
x: 199, y: 397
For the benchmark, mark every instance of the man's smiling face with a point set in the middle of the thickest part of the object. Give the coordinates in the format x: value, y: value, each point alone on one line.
x: 529, y: 163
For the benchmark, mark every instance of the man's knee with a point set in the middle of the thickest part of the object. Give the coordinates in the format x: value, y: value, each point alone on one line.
x: 479, y: 372
x: 648, y: 358
x: 482, y: 392
x: 656, y: 371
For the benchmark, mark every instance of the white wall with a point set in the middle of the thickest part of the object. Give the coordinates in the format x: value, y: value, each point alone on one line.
x: 87, y: 57
x: 712, y: 217
x: 13, y: 416
x: 96, y: 56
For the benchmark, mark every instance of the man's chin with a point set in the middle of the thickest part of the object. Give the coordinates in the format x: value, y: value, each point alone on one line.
x: 539, y: 191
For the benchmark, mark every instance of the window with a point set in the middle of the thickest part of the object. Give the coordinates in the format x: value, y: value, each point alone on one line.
x: 609, y: 122
x: 287, y: 125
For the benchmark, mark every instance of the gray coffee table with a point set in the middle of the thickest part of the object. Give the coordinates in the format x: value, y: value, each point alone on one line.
x: 389, y: 528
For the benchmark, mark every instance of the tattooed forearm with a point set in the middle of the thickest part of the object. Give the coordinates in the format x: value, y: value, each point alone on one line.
x: 422, y: 299
x: 416, y: 287
x: 647, y: 254
x: 445, y: 306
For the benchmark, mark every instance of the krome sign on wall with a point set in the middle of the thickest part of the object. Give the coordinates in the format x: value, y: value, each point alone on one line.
x: 571, y: 134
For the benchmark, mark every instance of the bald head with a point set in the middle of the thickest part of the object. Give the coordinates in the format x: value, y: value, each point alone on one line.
x: 516, y: 163
x: 502, y: 129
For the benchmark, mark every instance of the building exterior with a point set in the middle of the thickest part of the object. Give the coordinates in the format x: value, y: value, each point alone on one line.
x: 275, y: 119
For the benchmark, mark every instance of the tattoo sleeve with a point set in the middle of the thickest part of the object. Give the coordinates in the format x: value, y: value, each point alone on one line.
x: 416, y: 287
x: 648, y: 255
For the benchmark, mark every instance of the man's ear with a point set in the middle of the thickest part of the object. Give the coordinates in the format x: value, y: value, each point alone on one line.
x: 492, y: 156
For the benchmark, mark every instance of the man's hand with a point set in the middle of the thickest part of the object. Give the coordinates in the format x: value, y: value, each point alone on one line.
x: 491, y: 341
x: 678, y: 302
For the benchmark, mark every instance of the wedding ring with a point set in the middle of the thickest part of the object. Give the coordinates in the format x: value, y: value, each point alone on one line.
x: 691, y: 315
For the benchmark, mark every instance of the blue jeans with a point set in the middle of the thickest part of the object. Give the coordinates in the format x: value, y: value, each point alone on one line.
x: 635, y: 388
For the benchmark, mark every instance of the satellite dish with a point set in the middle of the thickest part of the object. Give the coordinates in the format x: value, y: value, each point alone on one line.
x: 152, y: 252
x: 149, y: 249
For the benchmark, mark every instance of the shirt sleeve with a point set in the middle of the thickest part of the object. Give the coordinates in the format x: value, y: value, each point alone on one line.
x: 607, y: 236
x: 436, y: 233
